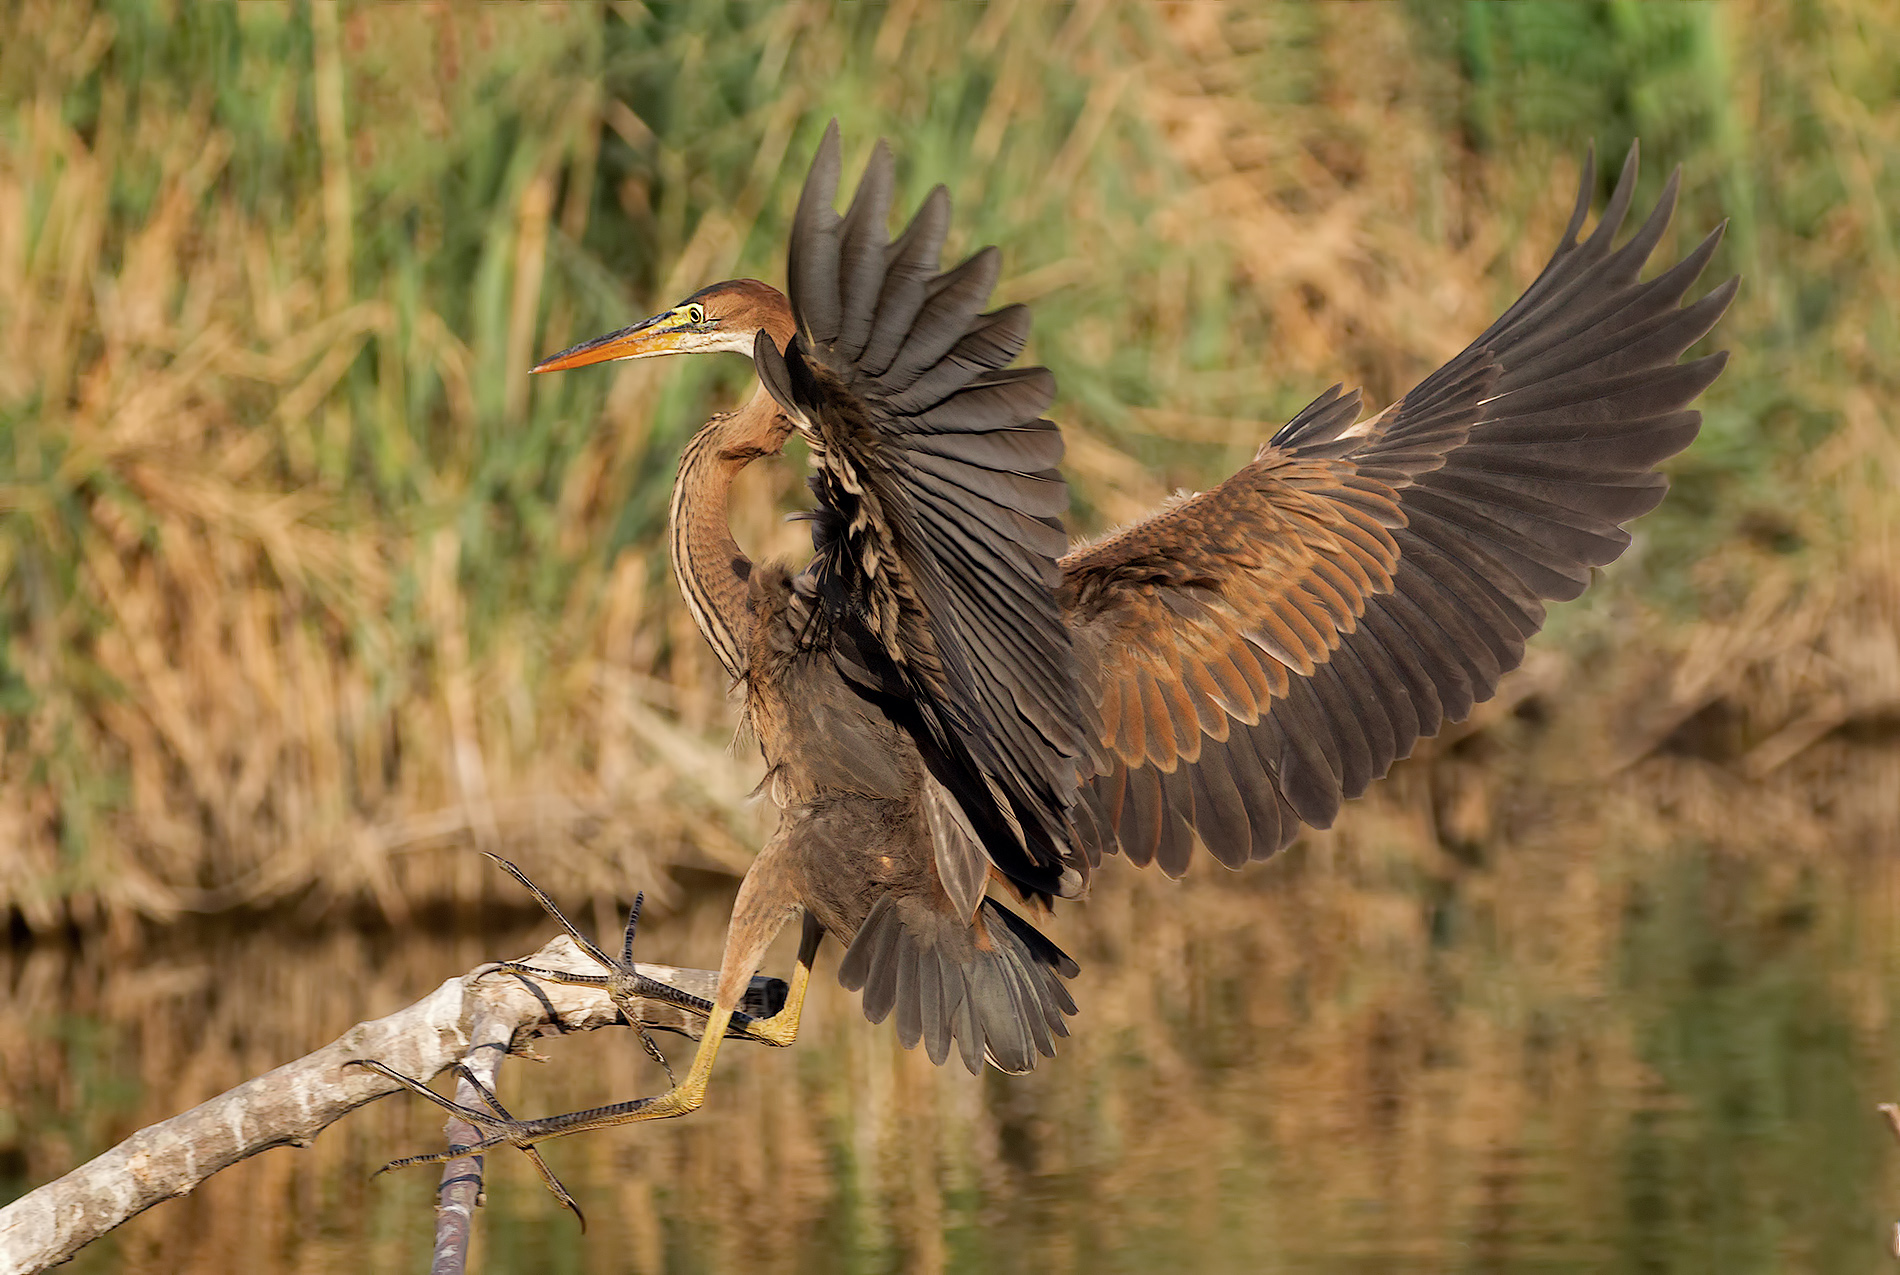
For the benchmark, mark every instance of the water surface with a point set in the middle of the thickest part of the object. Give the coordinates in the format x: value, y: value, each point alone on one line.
x: 1566, y: 1054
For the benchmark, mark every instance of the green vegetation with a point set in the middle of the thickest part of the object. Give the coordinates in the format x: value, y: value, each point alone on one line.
x: 305, y: 587
x: 300, y: 573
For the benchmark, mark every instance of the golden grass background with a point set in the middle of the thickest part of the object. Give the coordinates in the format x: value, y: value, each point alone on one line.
x: 304, y: 581
x: 306, y: 589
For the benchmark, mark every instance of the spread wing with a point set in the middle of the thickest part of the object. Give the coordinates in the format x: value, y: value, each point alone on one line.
x: 938, y: 528
x: 1265, y: 650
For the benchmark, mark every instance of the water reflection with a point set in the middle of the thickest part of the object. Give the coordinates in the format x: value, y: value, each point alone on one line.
x: 1368, y: 1057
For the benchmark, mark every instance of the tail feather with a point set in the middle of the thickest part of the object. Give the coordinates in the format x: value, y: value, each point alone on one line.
x: 994, y: 987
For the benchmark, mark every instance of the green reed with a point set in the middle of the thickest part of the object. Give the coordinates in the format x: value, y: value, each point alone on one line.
x: 301, y: 577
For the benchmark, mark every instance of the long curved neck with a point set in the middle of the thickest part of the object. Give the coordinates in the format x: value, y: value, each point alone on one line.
x: 711, y: 568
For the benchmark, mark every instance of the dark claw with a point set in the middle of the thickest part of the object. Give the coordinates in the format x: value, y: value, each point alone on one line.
x: 533, y: 1152
x: 505, y: 1129
x: 623, y: 981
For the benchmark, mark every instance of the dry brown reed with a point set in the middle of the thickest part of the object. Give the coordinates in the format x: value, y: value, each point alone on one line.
x: 224, y: 645
x: 248, y: 669
x: 245, y: 672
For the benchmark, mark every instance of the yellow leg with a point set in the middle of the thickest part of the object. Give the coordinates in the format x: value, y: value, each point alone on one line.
x: 781, y: 1029
x: 765, y: 903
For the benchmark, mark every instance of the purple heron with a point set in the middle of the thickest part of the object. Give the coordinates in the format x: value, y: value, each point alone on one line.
x: 949, y: 695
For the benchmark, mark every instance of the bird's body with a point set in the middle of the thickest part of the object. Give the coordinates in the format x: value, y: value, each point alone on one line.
x: 949, y: 695
x: 897, y: 806
x: 857, y: 838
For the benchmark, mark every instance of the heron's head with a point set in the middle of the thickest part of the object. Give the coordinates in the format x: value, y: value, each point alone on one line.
x: 725, y: 316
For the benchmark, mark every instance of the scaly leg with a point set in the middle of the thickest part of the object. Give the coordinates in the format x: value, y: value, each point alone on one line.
x: 765, y: 903
x: 487, y: 1095
x: 624, y: 983
x: 782, y: 1028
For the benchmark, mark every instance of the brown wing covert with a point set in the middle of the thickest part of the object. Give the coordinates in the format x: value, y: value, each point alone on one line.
x: 1260, y: 652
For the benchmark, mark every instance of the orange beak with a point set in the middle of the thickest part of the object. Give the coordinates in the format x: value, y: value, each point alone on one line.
x: 658, y: 335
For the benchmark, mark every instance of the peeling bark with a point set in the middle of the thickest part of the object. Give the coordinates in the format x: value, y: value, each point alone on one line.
x: 291, y: 1104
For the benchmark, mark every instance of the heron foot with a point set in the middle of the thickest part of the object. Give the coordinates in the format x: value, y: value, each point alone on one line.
x: 623, y: 982
x: 505, y: 1129
x: 502, y: 1129
x: 779, y: 1030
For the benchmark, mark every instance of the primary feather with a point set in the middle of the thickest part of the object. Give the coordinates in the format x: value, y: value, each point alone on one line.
x: 1299, y: 628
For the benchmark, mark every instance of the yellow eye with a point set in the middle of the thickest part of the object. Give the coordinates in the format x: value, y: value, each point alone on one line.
x: 696, y: 313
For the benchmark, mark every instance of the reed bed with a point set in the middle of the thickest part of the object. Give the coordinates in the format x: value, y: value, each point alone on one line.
x: 305, y: 588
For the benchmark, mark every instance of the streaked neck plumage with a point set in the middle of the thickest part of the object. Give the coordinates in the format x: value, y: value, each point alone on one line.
x: 711, y: 568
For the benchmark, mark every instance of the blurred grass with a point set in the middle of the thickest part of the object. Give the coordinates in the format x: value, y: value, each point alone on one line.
x: 301, y: 576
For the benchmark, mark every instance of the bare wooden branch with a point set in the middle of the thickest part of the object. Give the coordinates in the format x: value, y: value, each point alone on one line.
x: 461, y: 1191
x: 291, y: 1104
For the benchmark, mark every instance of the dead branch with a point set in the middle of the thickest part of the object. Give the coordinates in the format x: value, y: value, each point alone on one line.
x: 291, y: 1104
x: 460, y: 1192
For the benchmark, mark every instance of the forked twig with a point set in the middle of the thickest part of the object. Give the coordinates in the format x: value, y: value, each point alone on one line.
x: 461, y: 1191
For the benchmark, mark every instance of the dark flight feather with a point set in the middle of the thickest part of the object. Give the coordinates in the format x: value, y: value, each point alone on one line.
x: 991, y: 983
x: 1229, y: 670
x: 1363, y: 582
x: 939, y: 494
